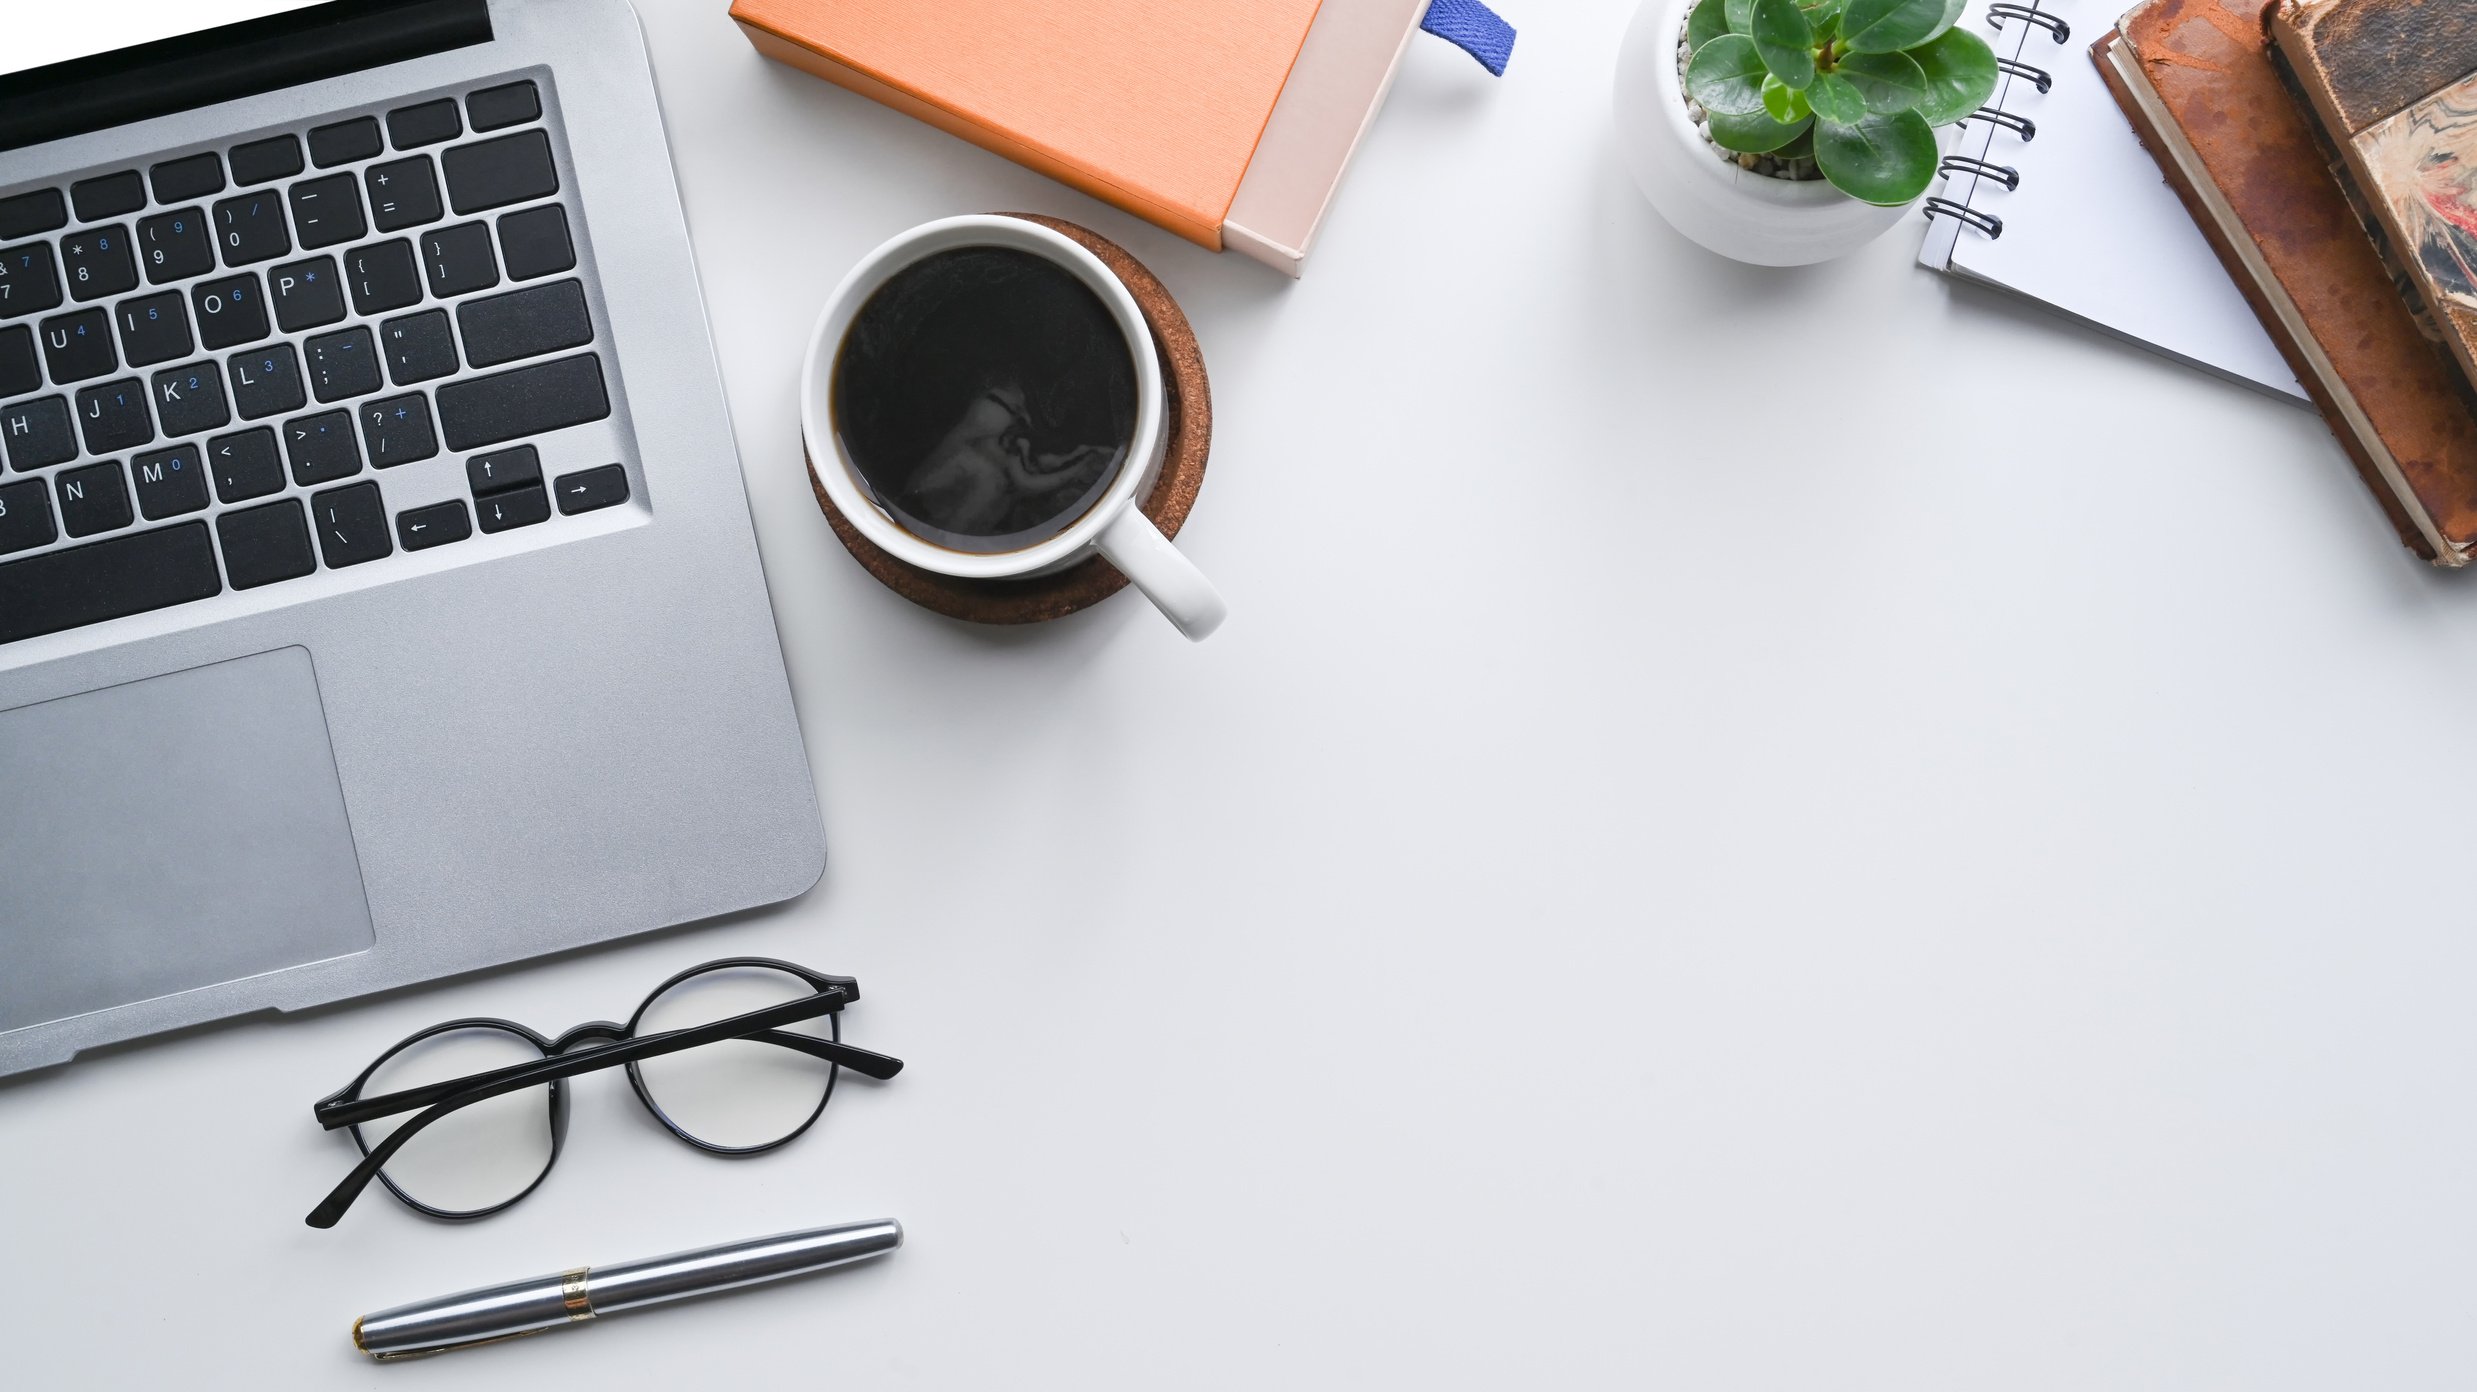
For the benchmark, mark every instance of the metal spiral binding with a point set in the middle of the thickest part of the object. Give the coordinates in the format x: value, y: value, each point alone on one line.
x: 2029, y: 14
x: 2037, y: 76
x: 2021, y: 126
x: 2003, y: 174
x: 1988, y: 223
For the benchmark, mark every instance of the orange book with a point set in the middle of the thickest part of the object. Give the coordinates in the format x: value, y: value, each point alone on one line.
x: 1228, y: 122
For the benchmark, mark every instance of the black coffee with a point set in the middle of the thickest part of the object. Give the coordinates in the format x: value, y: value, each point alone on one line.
x: 987, y: 397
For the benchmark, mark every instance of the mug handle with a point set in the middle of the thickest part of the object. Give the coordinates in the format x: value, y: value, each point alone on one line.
x: 1133, y: 544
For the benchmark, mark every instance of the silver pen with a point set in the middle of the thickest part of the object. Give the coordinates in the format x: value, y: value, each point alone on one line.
x: 569, y: 1297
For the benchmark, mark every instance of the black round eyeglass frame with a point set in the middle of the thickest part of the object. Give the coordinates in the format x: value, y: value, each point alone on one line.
x: 346, y: 1109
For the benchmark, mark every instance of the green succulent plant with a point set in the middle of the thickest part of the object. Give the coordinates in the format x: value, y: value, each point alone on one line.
x: 1859, y: 86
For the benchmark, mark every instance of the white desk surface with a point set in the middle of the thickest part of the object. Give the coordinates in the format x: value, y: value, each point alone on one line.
x: 1749, y: 829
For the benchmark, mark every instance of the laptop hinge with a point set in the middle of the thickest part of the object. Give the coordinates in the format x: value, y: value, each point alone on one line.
x: 189, y: 71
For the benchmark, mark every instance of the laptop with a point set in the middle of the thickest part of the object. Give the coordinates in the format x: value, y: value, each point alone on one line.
x: 378, y: 595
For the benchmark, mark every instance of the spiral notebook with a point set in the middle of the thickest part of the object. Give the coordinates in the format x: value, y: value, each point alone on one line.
x: 2049, y: 194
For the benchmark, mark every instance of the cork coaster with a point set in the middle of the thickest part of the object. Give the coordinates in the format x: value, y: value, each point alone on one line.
x: 1188, y: 425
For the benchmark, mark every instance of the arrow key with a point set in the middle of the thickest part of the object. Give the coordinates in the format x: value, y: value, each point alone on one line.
x: 587, y: 489
x: 436, y: 525
x: 351, y: 524
x: 518, y: 507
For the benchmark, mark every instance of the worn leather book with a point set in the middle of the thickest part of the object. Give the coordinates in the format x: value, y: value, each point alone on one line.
x: 2394, y: 85
x: 2197, y: 80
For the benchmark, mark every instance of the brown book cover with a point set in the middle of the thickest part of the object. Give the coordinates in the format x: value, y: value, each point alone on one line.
x: 2197, y: 80
x: 2394, y: 85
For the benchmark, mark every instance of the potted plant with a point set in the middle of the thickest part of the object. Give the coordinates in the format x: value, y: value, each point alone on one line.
x: 1782, y: 132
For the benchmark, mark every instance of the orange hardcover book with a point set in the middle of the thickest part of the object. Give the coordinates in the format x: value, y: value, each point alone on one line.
x: 1228, y: 122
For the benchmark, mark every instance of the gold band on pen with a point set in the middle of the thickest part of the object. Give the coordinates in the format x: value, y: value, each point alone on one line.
x: 573, y: 1295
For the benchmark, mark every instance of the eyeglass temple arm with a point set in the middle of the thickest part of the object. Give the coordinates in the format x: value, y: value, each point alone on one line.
x: 466, y: 1092
x: 862, y: 1061
x: 335, y: 1111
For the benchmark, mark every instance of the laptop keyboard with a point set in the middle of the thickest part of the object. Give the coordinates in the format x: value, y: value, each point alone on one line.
x: 209, y: 363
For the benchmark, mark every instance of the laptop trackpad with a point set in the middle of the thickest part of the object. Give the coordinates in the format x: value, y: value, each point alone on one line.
x: 169, y: 834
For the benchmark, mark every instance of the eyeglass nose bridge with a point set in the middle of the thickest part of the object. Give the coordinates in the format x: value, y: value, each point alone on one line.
x: 592, y: 1031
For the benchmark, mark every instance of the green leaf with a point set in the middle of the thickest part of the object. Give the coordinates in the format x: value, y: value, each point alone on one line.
x: 1741, y: 15
x: 1727, y: 77
x: 1757, y: 134
x: 1801, y: 148
x: 1885, y: 160
x: 1888, y: 26
x: 1885, y: 81
x: 1835, y: 98
x: 1786, y: 41
x: 1783, y: 102
x: 1952, y: 16
x: 1709, y: 21
x: 1827, y: 26
x: 1960, y: 72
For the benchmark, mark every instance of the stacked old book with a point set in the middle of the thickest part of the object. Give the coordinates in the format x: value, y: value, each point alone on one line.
x: 2328, y: 149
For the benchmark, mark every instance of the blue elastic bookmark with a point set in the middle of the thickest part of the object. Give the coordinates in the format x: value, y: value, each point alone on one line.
x: 1475, y: 29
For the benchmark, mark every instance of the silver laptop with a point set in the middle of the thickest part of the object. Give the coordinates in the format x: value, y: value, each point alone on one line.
x: 378, y: 598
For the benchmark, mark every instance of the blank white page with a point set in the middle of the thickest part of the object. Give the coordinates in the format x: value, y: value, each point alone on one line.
x: 2094, y: 230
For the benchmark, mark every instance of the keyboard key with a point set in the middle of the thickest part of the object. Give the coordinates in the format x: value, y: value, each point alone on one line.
x: 265, y: 381
x: 190, y: 400
x: 265, y: 544
x: 78, y: 346
x: 265, y: 161
x: 37, y: 434
x: 306, y: 293
x: 251, y: 228
x: 170, y: 482
x: 502, y: 470
x: 494, y: 173
x: 113, y: 416
x: 418, y: 347
x: 352, y: 525
x: 327, y: 211
x: 426, y: 124
x: 98, y: 262
x: 106, y: 580
x: 342, y: 365
x: 588, y: 489
x: 525, y: 401
x: 344, y: 142
x: 518, y: 507
x: 108, y: 195
x: 493, y: 108
x: 29, y: 213
x: 93, y: 499
x: 459, y: 259
x: 20, y: 371
x: 525, y: 323
x: 154, y: 328
x: 397, y: 430
x: 230, y: 312
x: 535, y: 243
x: 418, y: 529
x: 26, y: 516
x: 383, y: 277
x: 403, y: 193
x: 245, y: 466
x: 29, y: 280
x: 174, y: 246
x: 321, y: 448
x: 178, y: 181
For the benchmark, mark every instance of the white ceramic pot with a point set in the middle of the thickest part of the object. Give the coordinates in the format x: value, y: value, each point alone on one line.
x: 1736, y: 212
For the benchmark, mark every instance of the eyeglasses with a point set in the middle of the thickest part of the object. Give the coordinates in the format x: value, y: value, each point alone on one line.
x: 736, y: 1057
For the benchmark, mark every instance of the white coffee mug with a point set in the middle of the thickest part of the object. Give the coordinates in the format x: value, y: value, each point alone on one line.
x: 1115, y: 526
